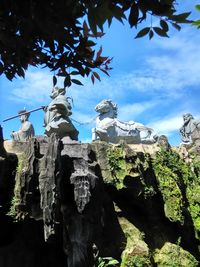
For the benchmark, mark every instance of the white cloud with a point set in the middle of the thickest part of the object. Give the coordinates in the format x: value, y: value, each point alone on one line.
x: 169, y: 70
x: 167, y: 125
x: 34, y: 89
x: 177, y: 63
x: 130, y: 111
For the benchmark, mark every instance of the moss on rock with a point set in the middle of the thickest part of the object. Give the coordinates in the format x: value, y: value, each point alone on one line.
x: 16, y: 200
x: 136, y: 249
x: 172, y: 255
x: 164, y: 165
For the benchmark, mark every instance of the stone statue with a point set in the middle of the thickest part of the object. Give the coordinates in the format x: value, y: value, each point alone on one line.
x: 110, y: 129
x: 56, y: 119
x: 163, y: 142
x: 190, y: 129
x: 26, y: 131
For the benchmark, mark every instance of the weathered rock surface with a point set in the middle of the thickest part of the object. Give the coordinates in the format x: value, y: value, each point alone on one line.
x: 90, y: 200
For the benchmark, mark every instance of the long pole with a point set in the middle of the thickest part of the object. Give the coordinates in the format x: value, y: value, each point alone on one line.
x: 24, y: 113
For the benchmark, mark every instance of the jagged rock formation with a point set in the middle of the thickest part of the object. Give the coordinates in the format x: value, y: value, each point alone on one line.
x: 92, y: 200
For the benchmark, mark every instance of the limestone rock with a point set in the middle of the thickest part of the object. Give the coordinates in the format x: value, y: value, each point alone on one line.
x: 173, y: 255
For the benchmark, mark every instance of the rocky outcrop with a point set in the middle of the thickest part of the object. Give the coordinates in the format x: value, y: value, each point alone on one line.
x: 90, y: 201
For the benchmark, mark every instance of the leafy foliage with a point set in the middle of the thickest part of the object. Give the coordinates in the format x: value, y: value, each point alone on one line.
x: 107, y: 261
x: 197, y: 22
x: 174, y: 174
x: 61, y: 34
x: 172, y: 255
x: 138, y: 261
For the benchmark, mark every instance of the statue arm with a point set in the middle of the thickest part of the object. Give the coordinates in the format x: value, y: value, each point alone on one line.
x: 62, y: 106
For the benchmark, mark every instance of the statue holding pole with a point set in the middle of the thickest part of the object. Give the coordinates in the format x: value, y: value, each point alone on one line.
x: 26, y: 131
x: 56, y: 119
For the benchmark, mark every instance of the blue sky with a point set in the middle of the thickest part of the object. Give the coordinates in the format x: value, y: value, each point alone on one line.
x: 153, y: 82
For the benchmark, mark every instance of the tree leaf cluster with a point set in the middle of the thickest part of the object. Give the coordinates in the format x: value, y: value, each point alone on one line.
x: 197, y: 22
x: 61, y: 34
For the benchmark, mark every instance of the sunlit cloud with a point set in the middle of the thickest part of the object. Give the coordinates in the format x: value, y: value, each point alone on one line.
x: 34, y: 89
x: 167, y: 125
x: 131, y: 111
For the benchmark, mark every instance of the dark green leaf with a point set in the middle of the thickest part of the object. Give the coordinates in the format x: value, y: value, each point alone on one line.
x: 164, y: 25
x: 196, y: 23
x: 90, y: 43
x: 151, y: 34
x: 54, y: 80
x: 76, y: 81
x: 143, y: 32
x: 67, y: 81
x: 181, y: 18
x: 197, y: 7
x: 96, y: 75
x: 74, y: 73
x: 160, y: 32
x: 20, y: 72
x: 176, y: 26
x: 104, y: 71
x: 133, y: 17
x: 92, y: 21
x: 118, y: 13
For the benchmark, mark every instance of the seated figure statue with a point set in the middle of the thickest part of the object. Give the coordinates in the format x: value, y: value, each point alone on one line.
x: 56, y: 119
x: 26, y: 131
x: 190, y: 129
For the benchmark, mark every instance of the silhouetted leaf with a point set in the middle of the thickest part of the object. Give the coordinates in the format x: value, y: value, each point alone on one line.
x: 151, y: 34
x: 74, y: 72
x: 76, y: 82
x: 134, y: 13
x: 92, y: 21
x: 104, y: 71
x: 99, y: 52
x: 92, y: 78
x: 54, y: 80
x: 176, y: 26
x: 118, y: 13
x: 143, y: 32
x: 67, y: 81
x: 160, y: 32
x: 20, y: 72
x: 164, y: 25
x: 181, y: 18
x: 96, y: 75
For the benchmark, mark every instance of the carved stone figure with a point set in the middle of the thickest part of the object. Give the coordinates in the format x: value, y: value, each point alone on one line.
x: 190, y: 129
x: 26, y: 131
x: 57, y: 114
x: 110, y: 129
x: 163, y: 142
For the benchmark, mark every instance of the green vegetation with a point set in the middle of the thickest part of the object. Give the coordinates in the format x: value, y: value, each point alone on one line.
x: 125, y: 162
x: 172, y: 255
x: 167, y: 169
x: 197, y: 22
x: 64, y: 33
x: 137, y: 261
x: 107, y: 261
x: 16, y: 200
x: 179, y: 183
x: 136, y: 250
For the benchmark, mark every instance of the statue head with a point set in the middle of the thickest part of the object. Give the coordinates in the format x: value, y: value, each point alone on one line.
x: 23, y: 115
x: 187, y: 117
x: 163, y: 142
x: 105, y: 106
x: 57, y: 91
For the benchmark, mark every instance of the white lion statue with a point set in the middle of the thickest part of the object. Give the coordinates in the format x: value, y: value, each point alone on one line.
x: 110, y: 129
